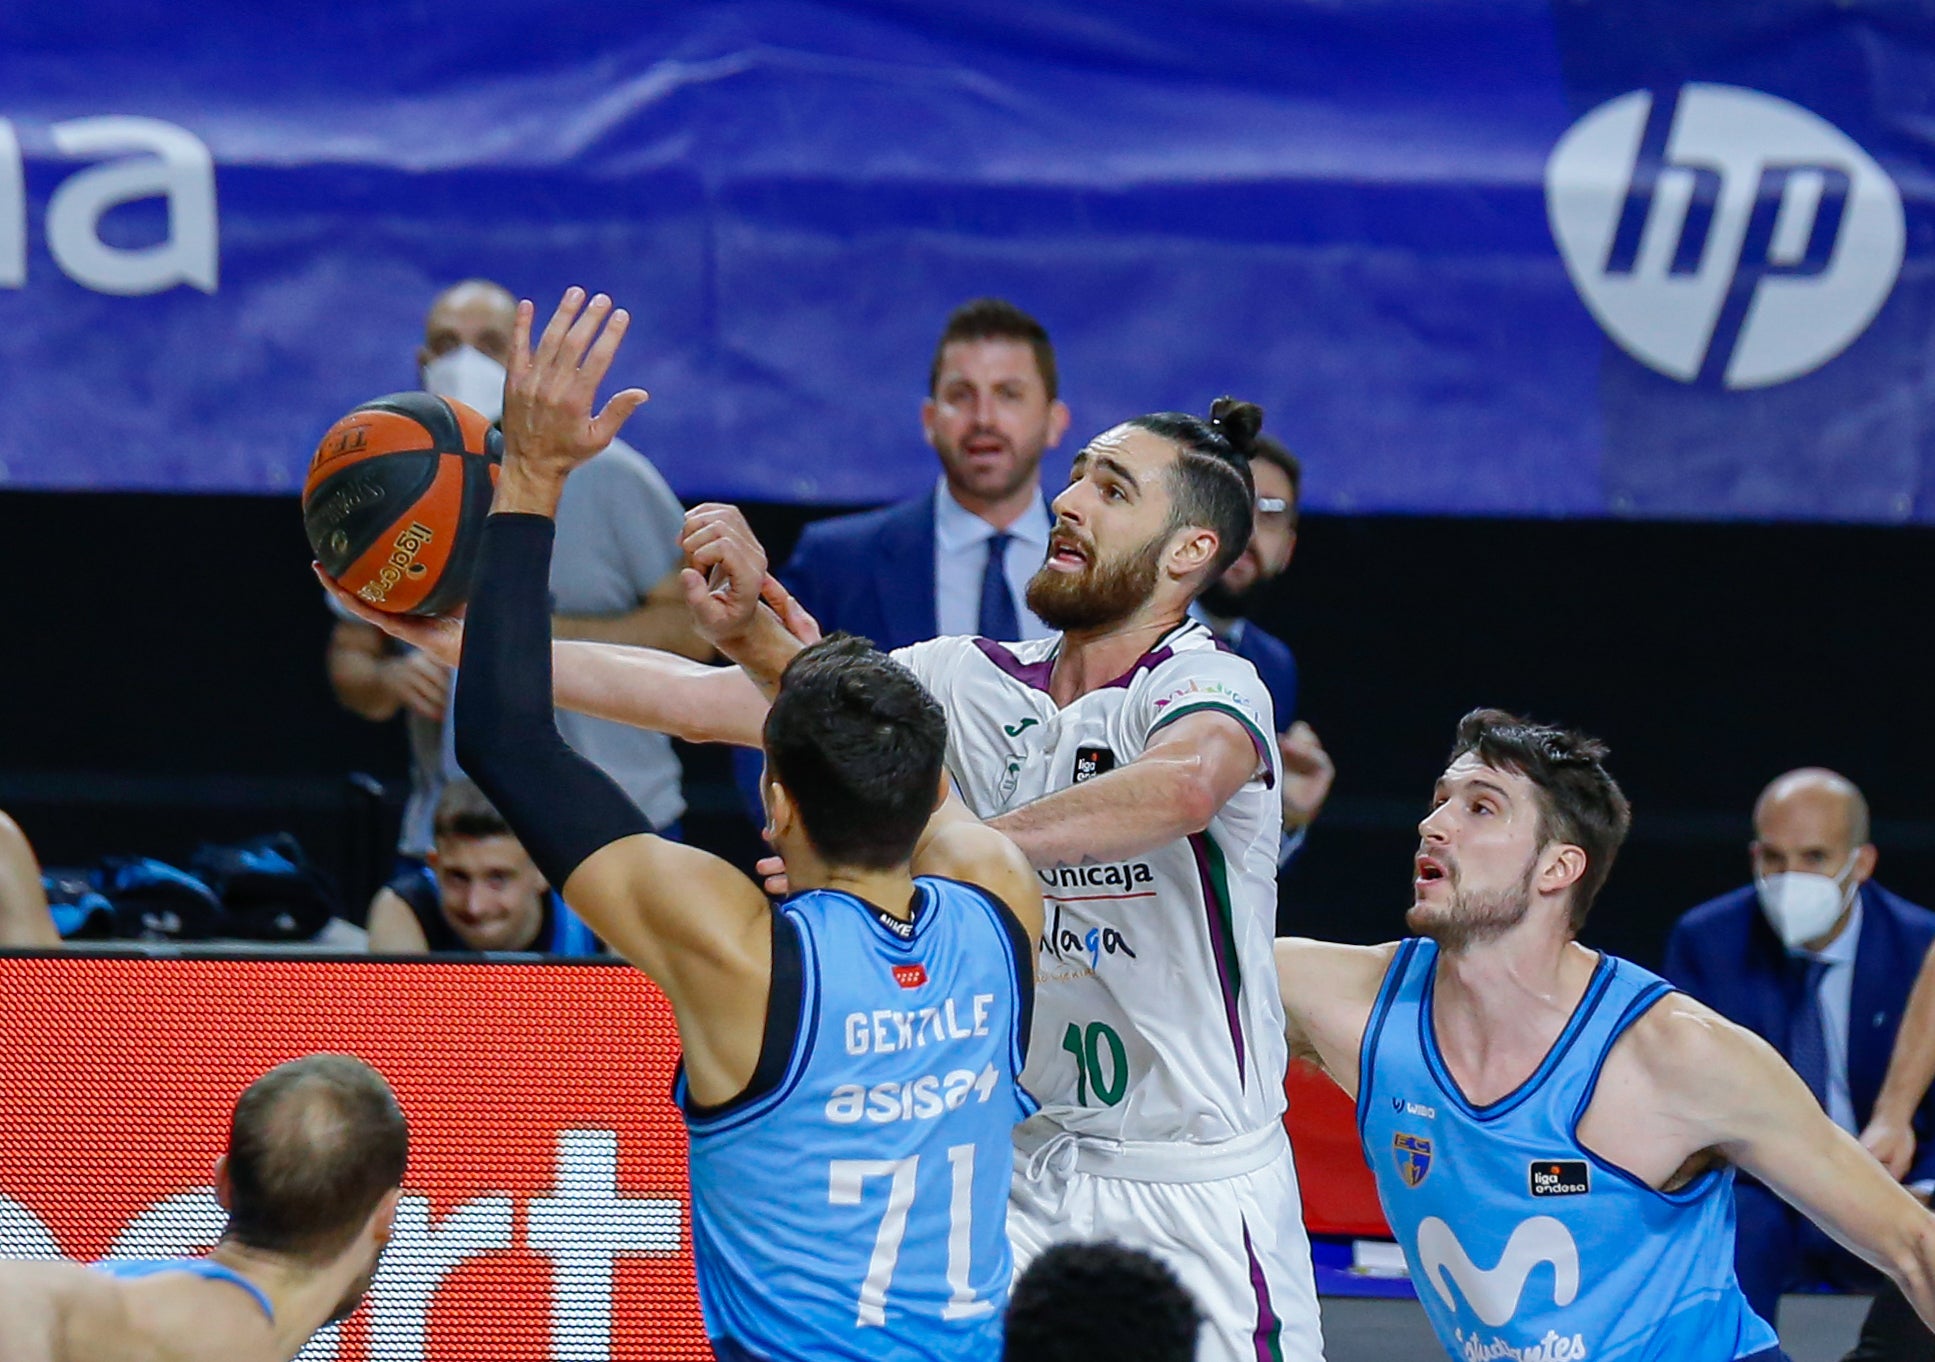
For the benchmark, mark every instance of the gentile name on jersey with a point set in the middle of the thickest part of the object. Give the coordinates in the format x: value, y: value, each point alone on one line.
x: 888, y: 1030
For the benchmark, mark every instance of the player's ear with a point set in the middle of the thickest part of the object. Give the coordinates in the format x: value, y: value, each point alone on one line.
x: 383, y: 1218
x: 1565, y: 866
x: 1057, y: 422
x: 431, y: 859
x: 1192, y: 549
x: 941, y: 791
x: 781, y: 812
x: 928, y: 412
x: 224, y: 1185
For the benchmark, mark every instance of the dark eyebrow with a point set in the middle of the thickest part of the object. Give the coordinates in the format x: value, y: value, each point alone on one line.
x: 1120, y: 470
x: 1498, y: 790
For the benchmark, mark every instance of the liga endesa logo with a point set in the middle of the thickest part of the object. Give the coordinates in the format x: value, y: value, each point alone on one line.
x: 544, y: 1216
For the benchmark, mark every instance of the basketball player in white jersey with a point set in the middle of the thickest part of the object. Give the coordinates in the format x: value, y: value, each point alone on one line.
x: 1130, y: 759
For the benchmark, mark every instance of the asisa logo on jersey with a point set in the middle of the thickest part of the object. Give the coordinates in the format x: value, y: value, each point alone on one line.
x: 1413, y: 1155
x: 1721, y: 235
x: 1559, y: 1177
x: 1493, y: 1293
x: 910, y: 976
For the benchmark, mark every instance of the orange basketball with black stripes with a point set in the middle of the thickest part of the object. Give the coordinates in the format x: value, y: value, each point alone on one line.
x: 396, y: 497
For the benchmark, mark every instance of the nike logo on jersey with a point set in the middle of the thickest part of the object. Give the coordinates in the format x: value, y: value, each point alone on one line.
x: 1493, y: 1292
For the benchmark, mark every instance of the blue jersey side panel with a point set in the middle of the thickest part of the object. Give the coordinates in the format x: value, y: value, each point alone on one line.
x: 1522, y: 1243
x: 859, y: 1210
x: 131, y: 1268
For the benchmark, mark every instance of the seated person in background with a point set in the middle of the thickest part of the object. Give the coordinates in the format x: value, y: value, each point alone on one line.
x: 24, y: 920
x: 1819, y: 960
x: 480, y: 891
x: 1083, y: 1301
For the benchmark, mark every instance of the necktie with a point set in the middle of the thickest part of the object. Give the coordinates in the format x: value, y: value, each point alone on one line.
x: 998, y: 621
x: 1806, y: 1041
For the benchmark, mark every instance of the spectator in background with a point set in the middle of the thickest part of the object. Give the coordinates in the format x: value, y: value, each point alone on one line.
x: 955, y: 560
x: 614, y: 579
x: 1819, y: 960
x: 24, y: 919
x: 1225, y: 608
x: 480, y: 891
x: 1090, y: 1302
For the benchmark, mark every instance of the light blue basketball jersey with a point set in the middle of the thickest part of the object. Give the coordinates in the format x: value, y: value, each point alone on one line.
x: 858, y: 1210
x: 1522, y: 1243
x: 131, y: 1268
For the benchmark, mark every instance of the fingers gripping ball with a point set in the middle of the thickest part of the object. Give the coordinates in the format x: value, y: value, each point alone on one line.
x: 396, y: 499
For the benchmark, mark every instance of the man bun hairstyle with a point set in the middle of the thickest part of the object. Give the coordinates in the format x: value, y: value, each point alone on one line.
x: 1580, y: 804
x: 1211, y: 484
x: 996, y: 319
x: 859, y: 745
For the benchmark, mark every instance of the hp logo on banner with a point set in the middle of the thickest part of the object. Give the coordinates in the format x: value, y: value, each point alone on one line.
x: 1723, y: 237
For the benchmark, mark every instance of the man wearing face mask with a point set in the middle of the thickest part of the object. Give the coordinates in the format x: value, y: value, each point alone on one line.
x: 1819, y: 960
x: 614, y: 579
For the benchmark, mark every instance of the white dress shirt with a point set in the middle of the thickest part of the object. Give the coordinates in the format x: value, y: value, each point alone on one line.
x: 961, y: 561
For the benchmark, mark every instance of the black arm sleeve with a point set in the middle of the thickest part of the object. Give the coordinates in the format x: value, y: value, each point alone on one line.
x: 561, y: 806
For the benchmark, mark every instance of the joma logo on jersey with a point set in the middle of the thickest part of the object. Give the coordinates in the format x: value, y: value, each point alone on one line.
x: 1721, y: 235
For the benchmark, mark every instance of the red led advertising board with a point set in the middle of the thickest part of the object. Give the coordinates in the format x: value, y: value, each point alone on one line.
x: 545, y: 1216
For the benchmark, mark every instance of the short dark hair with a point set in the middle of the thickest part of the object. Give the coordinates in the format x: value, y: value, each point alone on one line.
x: 313, y: 1147
x: 464, y: 811
x: 996, y: 319
x: 1211, y: 483
x: 1272, y: 451
x: 1580, y: 804
x: 859, y: 746
x: 1100, y: 1302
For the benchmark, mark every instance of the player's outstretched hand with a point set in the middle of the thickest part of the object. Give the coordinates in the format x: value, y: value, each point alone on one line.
x: 1307, y: 774
x: 439, y: 636
x: 725, y: 573
x: 797, y: 619
x: 549, y: 392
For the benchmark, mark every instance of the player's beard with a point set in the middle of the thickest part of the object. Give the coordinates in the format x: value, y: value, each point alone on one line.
x: 1100, y: 594
x: 1473, y: 917
x: 354, y: 1296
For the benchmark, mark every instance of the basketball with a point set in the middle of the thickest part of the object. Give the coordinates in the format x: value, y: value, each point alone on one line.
x: 396, y: 497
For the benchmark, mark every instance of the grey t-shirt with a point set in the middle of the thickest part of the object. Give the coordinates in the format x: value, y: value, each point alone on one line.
x: 618, y: 535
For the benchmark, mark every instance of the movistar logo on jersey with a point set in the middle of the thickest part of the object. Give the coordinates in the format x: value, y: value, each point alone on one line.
x: 1721, y: 235
x: 1493, y: 1293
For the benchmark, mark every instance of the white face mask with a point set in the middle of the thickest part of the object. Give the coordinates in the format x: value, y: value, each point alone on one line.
x: 1801, y: 906
x: 470, y: 376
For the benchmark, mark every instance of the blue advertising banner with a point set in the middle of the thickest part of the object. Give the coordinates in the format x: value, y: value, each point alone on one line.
x: 1473, y: 256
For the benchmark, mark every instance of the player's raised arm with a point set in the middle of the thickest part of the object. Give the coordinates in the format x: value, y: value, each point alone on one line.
x: 1736, y: 1095
x: 1328, y: 992
x: 959, y: 846
x: 695, y: 925
x: 1171, y: 791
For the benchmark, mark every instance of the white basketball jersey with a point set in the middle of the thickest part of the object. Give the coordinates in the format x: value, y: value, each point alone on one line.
x: 1157, y: 1015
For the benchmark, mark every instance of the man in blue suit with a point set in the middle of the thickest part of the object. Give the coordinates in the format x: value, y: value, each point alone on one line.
x: 1225, y: 608
x: 955, y: 560
x: 1818, y: 960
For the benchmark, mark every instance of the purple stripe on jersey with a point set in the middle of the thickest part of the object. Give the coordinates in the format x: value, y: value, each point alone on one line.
x: 1220, y: 946
x: 1268, y: 1326
x: 1147, y: 662
x: 1031, y: 674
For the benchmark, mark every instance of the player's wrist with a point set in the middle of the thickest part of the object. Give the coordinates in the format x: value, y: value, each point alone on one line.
x: 528, y: 488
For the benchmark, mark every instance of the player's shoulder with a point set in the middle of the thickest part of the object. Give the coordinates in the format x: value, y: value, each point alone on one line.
x: 1310, y: 968
x: 956, y: 659
x: 1684, y: 1046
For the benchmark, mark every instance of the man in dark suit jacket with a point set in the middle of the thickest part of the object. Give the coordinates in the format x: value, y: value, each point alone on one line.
x: 1819, y: 961
x: 1225, y: 607
x: 955, y: 560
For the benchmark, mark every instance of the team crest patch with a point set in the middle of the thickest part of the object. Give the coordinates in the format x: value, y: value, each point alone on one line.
x: 1413, y: 1154
x: 1091, y: 762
